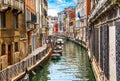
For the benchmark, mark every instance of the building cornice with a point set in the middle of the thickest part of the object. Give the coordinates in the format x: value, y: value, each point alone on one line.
x: 102, y: 7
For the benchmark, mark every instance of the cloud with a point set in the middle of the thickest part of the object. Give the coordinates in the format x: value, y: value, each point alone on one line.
x: 75, y: 1
x: 59, y: 1
x: 53, y: 12
x: 55, y: 6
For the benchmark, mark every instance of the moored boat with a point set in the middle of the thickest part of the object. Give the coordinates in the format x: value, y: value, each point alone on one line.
x: 55, y: 56
x: 57, y: 51
x: 59, y: 42
x: 58, y: 48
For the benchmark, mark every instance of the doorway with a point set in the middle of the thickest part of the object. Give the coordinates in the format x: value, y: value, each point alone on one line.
x: 9, y: 54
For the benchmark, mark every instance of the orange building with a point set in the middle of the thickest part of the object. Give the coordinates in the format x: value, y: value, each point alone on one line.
x: 88, y: 8
x: 70, y: 20
x: 30, y: 5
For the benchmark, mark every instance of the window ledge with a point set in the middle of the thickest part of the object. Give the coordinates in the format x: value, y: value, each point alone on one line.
x: 3, y: 28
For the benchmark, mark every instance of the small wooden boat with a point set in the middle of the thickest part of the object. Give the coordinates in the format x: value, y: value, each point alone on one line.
x: 58, y: 48
x: 55, y: 56
x: 59, y: 42
x: 57, y: 51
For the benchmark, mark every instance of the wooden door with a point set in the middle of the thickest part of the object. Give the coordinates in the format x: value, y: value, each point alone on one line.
x: 9, y: 54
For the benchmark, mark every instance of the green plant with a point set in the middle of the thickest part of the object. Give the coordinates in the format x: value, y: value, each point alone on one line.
x: 115, y: 1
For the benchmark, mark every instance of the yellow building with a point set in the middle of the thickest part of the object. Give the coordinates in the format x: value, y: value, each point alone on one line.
x: 12, y: 32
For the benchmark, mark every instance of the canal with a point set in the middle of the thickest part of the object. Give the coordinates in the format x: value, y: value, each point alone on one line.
x: 74, y: 65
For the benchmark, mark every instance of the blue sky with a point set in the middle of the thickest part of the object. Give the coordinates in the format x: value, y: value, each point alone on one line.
x: 55, y: 6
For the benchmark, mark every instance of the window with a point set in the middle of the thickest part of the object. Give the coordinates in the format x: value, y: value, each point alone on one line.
x: 16, y: 46
x: 2, y: 20
x: 3, y: 49
x: 70, y: 23
x: 33, y: 18
x: 16, y: 21
x: 28, y: 18
x: 78, y: 24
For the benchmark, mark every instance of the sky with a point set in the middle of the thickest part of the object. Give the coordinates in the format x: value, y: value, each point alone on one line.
x: 55, y: 6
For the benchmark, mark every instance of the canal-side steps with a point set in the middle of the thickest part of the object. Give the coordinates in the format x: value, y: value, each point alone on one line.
x: 17, y: 71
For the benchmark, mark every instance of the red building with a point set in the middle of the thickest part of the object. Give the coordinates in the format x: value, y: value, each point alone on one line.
x: 55, y: 27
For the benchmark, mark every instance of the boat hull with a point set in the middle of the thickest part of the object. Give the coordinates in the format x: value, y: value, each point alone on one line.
x: 55, y: 56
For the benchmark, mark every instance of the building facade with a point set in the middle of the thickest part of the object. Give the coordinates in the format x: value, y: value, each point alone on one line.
x: 51, y: 22
x: 23, y: 28
x: 61, y: 18
x: 81, y: 20
x: 12, y: 32
x: 38, y: 30
x: 30, y: 11
x: 44, y: 18
x: 41, y: 21
x: 104, y: 25
x: 69, y: 21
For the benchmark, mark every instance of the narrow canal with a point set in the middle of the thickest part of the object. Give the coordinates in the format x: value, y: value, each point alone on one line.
x: 73, y: 66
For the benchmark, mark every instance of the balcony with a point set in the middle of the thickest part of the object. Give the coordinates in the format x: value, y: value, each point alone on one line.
x: 30, y: 26
x: 6, y: 32
x: 9, y: 33
x: 11, y: 3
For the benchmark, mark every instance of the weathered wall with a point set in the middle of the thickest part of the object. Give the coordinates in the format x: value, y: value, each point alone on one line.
x: 104, y: 44
x: 112, y: 52
x: 118, y: 49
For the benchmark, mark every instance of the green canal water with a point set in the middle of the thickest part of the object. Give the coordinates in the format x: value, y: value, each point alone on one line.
x: 74, y: 65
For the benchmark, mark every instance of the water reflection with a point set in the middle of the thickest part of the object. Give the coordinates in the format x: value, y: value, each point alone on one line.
x: 73, y: 66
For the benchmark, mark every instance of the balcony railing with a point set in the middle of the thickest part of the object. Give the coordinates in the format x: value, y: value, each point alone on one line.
x: 13, y: 3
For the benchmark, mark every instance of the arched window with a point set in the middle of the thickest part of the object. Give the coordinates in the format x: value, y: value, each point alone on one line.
x: 3, y: 49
